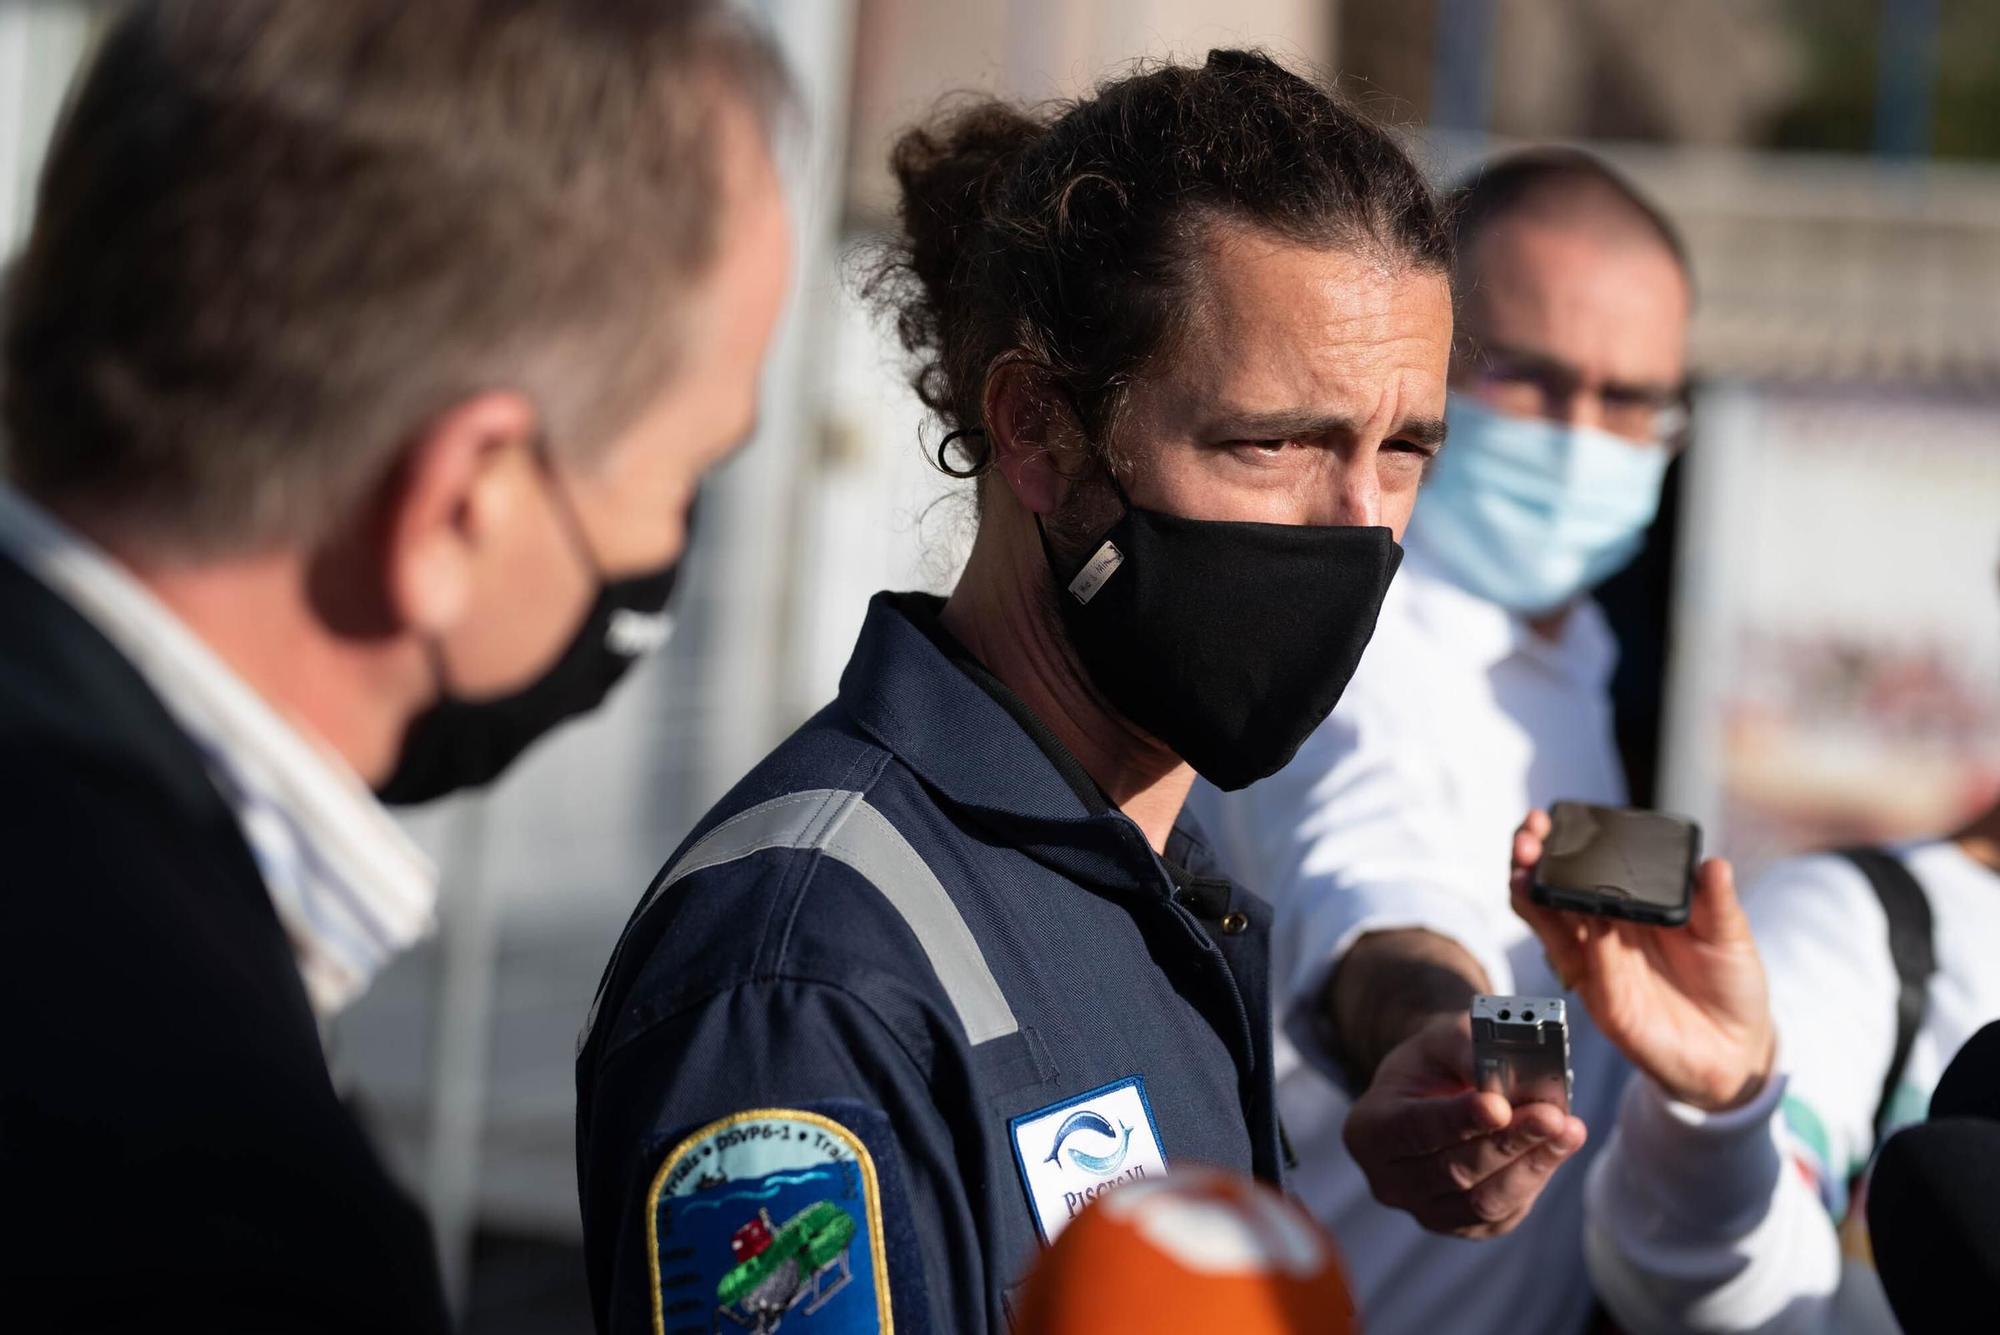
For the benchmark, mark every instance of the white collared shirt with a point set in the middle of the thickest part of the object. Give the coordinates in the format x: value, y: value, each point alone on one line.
x: 349, y: 886
x: 1399, y: 812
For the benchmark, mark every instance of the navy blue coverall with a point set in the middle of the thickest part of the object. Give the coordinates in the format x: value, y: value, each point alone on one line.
x: 843, y: 1040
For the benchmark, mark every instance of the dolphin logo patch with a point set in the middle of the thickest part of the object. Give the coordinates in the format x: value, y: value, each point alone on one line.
x: 1103, y: 1165
x: 1086, y: 1120
x: 1072, y: 1152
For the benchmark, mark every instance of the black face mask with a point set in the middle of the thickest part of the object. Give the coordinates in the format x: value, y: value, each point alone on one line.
x: 1230, y: 642
x: 459, y: 744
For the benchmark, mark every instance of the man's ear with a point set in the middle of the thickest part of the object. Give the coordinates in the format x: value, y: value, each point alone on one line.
x: 461, y: 480
x: 1027, y: 427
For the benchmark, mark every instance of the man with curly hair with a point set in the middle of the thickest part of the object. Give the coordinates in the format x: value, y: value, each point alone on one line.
x: 946, y: 967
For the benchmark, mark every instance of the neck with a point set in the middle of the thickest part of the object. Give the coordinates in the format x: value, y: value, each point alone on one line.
x: 257, y: 614
x: 998, y: 613
x: 1549, y: 625
x: 1980, y: 839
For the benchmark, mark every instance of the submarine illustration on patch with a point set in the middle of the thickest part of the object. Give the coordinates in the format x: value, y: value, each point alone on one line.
x: 1104, y: 1165
x: 783, y: 1266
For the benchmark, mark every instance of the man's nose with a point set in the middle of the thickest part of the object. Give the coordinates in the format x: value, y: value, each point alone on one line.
x: 1354, y: 497
x: 1580, y: 407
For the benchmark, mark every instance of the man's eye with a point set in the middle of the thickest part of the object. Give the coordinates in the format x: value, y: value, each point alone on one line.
x: 1411, y: 451
x: 1267, y: 448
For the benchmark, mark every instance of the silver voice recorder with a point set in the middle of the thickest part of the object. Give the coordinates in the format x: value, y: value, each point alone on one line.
x: 1520, y: 1049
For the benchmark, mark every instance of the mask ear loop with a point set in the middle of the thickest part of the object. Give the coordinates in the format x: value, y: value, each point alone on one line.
x: 1055, y: 565
x: 979, y: 467
x: 566, y: 512
x: 1058, y: 567
x: 440, y: 671
x: 578, y: 541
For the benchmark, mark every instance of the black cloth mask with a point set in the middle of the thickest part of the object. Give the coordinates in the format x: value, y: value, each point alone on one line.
x: 1230, y: 642
x: 457, y: 743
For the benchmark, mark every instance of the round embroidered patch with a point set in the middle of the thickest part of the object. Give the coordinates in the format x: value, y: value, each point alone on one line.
x: 768, y: 1219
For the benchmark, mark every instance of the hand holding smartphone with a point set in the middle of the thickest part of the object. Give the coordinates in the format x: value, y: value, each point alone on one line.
x: 1668, y: 970
x: 1618, y: 862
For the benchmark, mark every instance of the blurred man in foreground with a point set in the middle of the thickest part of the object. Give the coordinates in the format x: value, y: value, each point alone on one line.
x: 360, y: 370
x: 1485, y: 692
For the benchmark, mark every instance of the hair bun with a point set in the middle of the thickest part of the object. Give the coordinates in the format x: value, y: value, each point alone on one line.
x: 949, y: 172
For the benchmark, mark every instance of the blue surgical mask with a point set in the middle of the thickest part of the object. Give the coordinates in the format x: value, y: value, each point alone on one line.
x: 1530, y: 513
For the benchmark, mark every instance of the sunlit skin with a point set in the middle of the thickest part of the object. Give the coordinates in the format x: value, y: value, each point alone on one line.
x: 1308, y: 388
x: 462, y: 573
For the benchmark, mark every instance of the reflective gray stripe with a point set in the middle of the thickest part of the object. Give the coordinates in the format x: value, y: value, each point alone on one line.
x: 844, y: 827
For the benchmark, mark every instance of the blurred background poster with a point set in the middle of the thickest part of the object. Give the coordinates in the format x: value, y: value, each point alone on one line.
x: 1832, y: 670
x: 1838, y: 662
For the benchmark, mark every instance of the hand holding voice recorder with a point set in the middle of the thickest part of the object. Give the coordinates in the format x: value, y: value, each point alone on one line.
x: 1520, y: 1049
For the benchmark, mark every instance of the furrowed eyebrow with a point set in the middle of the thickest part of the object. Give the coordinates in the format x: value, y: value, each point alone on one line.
x: 1424, y: 431
x: 1307, y: 426
x: 1280, y: 426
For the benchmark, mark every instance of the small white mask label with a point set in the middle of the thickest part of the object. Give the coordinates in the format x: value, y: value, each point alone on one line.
x: 1096, y: 572
x: 1072, y: 1152
x: 637, y: 634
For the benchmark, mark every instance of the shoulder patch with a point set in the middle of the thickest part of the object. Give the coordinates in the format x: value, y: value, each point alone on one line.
x: 1072, y: 1152
x: 769, y: 1219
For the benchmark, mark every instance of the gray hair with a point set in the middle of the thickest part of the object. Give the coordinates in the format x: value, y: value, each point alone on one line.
x: 275, y: 238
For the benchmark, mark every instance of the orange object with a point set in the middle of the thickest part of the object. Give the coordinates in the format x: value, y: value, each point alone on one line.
x: 1200, y: 1250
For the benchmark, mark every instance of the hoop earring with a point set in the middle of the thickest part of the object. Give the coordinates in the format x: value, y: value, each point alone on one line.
x: 949, y: 469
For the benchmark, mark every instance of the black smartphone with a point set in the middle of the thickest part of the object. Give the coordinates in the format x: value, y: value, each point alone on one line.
x: 1619, y: 862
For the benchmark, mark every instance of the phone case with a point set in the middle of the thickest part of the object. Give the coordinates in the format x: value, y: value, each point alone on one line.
x: 1618, y: 862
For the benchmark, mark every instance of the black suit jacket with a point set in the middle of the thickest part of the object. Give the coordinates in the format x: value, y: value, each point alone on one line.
x: 172, y: 1152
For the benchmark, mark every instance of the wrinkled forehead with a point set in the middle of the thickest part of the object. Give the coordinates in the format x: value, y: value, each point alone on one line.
x: 1267, y: 316
x: 1295, y: 344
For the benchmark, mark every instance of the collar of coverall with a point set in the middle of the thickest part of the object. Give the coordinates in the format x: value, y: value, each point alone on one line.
x: 914, y: 689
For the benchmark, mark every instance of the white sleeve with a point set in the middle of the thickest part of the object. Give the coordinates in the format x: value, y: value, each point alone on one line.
x: 1825, y: 943
x: 1727, y: 1222
x: 1357, y: 835
x: 1697, y: 1223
